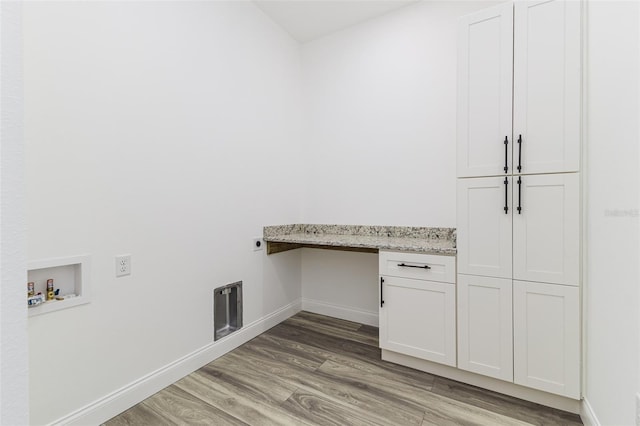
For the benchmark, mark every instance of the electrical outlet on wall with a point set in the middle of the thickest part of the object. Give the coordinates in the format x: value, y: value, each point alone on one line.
x: 123, y: 265
x: 258, y: 244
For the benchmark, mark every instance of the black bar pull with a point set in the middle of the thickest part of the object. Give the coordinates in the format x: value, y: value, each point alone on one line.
x: 506, y: 190
x: 506, y: 154
x: 414, y: 266
x: 381, y: 299
x: 519, y: 153
x: 519, y: 195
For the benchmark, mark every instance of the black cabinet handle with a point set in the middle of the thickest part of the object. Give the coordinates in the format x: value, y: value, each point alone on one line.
x: 381, y: 299
x: 414, y: 266
x: 506, y: 154
x: 506, y: 190
x: 519, y: 195
x: 519, y: 153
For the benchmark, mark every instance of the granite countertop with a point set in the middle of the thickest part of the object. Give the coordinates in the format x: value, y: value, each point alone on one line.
x: 440, y: 241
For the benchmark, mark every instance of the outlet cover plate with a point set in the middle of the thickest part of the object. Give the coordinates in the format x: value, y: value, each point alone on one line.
x: 258, y: 244
x: 123, y: 265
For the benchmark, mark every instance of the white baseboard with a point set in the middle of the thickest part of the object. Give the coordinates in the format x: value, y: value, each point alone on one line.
x: 116, y: 402
x: 587, y: 415
x: 342, y: 312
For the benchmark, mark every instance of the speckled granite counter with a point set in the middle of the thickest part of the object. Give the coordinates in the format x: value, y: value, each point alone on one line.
x: 440, y: 241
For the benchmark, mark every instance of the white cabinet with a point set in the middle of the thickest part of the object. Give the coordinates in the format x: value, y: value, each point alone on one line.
x: 546, y: 325
x: 518, y: 205
x: 485, y: 334
x: 484, y: 226
x: 485, y: 63
x: 538, y: 232
x: 546, y: 86
x: 417, y: 315
x: 546, y: 230
x: 418, y: 319
x: 536, y: 50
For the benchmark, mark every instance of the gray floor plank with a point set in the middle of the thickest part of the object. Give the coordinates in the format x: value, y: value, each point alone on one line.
x: 183, y: 408
x: 513, y: 407
x: 260, y: 385
x: 334, y: 323
x: 139, y: 414
x: 240, y: 405
x: 316, y: 370
x: 337, y: 332
x: 458, y: 413
x: 320, y: 410
x: 354, y: 354
x: 349, y: 394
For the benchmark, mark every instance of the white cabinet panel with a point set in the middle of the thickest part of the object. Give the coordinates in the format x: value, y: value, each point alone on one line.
x: 483, y: 226
x: 546, y: 336
x: 418, y: 266
x: 485, y: 343
x: 484, y: 91
x: 546, y: 233
x: 418, y: 319
x: 546, y: 85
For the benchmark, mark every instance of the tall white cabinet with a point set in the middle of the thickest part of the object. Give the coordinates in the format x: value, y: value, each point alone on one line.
x: 518, y: 213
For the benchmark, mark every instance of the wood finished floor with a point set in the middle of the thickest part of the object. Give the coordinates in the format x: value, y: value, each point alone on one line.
x: 317, y: 370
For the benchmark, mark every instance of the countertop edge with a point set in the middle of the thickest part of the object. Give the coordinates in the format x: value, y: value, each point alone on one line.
x: 413, y: 244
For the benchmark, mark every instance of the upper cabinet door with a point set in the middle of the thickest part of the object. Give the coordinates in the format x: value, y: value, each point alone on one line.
x: 484, y: 224
x: 485, y: 62
x: 546, y: 229
x: 546, y: 85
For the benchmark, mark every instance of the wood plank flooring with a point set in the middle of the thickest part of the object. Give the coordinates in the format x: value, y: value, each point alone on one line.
x: 317, y: 370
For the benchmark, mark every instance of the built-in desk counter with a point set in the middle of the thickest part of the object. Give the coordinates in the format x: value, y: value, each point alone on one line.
x: 440, y: 241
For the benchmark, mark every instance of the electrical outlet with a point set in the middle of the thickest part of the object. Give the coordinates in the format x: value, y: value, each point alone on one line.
x: 123, y: 265
x: 258, y: 244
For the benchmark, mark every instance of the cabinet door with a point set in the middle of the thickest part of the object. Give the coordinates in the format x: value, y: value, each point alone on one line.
x: 546, y: 231
x: 546, y: 84
x: 484, y: 227
x: 485, y: 62
x: 418, y: 319
x: 485, y: 344
x: 546, y: 337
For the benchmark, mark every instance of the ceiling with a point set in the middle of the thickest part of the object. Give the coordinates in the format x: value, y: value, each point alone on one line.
x: 306, y: 20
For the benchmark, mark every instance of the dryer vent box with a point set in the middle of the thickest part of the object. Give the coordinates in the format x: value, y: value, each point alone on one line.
x: 227, y: 309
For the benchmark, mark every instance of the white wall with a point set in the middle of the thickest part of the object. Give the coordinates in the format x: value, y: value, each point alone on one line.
x: 164, y: 130
x: 13, y: 310
x: 341, y: 284
x: 381, y: 138
x: 612, y: 292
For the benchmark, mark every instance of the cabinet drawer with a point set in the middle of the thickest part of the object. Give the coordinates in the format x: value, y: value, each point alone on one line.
x: 418, y: 266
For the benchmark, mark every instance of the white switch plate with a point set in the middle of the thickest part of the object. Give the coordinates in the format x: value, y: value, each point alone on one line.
x: 123, y: 265
x: 258, y: 244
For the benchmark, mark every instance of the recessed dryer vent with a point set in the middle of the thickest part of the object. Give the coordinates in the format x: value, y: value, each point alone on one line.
x: 227, y: 309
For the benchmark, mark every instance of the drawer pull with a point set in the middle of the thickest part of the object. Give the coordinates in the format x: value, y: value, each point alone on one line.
x: 519, y: 153
x: 506, y: 154
x: 414, y: 266
x: 381, y: 299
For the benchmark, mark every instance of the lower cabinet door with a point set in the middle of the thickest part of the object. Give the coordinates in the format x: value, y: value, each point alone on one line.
x: 417, y: 318
x: 485, y: 344
x: 546, y: 337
